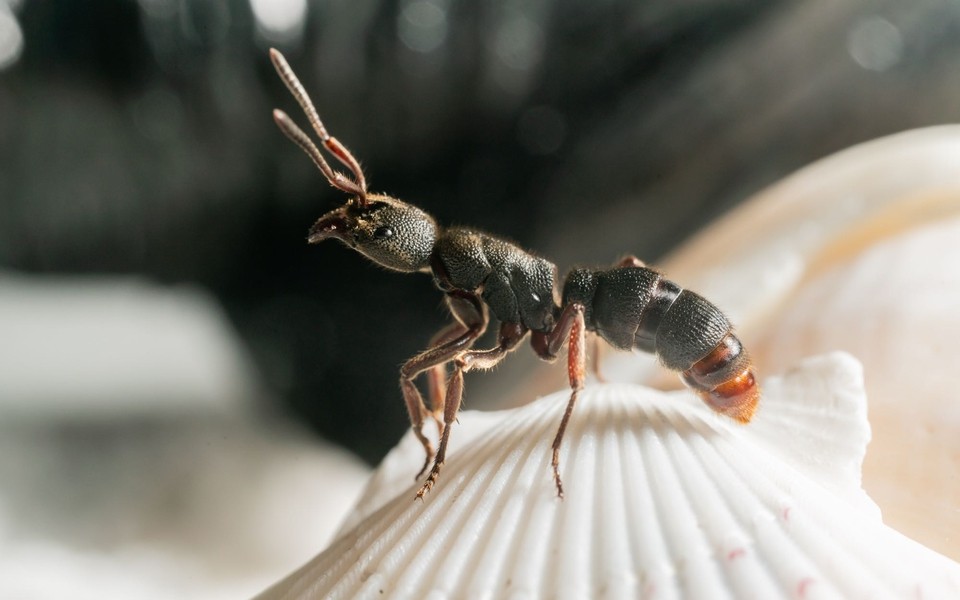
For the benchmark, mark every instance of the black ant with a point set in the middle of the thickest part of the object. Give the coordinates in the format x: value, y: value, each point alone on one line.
x: 628, y: 305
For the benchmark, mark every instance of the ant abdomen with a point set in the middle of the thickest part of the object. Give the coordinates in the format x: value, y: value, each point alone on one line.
x: 636, y: 307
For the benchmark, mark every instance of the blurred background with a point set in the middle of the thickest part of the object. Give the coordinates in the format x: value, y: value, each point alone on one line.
x: 178, y: 367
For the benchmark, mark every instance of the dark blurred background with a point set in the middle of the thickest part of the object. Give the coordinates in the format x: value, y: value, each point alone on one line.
x: 136, y: 138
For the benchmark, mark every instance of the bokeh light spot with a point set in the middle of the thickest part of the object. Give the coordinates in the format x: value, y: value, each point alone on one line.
x: 422, y: 25
x: 875, y: 44
x: 11, y: 37
x: 518, y: 43
x: 280, y: 20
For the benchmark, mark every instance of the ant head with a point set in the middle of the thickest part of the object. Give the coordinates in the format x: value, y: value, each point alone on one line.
x: 389, y: 232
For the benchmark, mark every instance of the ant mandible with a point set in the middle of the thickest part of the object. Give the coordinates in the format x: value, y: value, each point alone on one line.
x: 628, y: 305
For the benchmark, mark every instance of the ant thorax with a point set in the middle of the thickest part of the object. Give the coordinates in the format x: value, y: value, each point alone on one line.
x: 517, y: 286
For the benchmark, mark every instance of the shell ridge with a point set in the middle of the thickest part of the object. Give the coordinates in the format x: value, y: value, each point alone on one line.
x: 533, y: 472
x: 524, y: 575
x: 435, y: 539
x: 676, y: 514
x: 882, y: 572
x: 652, y: 454
x: 574, y: 559
x: 461, y: 458
x: 607, y: 564
x: 505, y: 513
x: 407, y: 529
x: 341, y: 564
x: 664, y: 499
x: 466, y: 479
x: 479, y: 511
x: 749, y: 497
x: 688, y: 477
x: 396, y: 547
x: 844, y: 571
x: 391, y: 478
x: 818, y: 423
x: 653, y: 575
x: 610, y: 568
x: 778, y: 483
x: 717, y: 511
x: 419, y: 535
x: 766, y: 505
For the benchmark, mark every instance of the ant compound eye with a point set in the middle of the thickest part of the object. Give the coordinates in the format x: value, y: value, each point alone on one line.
x: 383, y: 233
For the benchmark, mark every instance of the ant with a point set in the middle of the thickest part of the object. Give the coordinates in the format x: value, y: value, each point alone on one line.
x: 628, y: 305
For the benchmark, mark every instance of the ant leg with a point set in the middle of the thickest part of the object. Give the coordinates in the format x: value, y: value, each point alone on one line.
x: 575, y: 371
x: 630, y: 261
x: 437, y: 375
x: 509, y: 336
x: 470, y: 313
x: 570, y: 328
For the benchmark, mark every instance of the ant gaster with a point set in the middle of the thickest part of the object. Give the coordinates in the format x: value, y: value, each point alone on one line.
x: 629, y: 305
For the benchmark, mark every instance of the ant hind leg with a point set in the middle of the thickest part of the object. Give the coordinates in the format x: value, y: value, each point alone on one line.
x: 469, y: 312
x: 570, y: 329
x: 437, y: 374
x: 576, y: 369
x: 630, y: 260
x: 509, y: 336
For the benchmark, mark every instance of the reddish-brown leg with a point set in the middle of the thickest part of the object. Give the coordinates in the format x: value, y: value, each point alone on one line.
x: 630, y: 261
x: 570, y: 328
x: 509, y: 336
x: 437, y: 374
x: 468, y: 311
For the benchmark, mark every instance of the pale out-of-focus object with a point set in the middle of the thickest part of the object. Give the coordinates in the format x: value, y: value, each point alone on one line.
x: 663, y: 498
x: 136, y: 459
x: 858, y: 252
x: 87, y: 348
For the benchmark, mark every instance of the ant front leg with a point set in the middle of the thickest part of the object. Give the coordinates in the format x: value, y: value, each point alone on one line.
x: 509, y: 336
x: 570, y: 328
x: 437, y: 374
x: 470, y: 314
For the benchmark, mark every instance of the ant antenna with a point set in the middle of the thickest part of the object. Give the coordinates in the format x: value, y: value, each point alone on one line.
x: 338, y: 180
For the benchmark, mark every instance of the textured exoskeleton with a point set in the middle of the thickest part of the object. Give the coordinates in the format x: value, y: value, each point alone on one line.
x: 629, y: 305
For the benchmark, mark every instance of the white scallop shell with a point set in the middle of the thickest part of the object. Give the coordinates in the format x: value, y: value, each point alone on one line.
x: 664, y: 500
x: 857, y: 252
